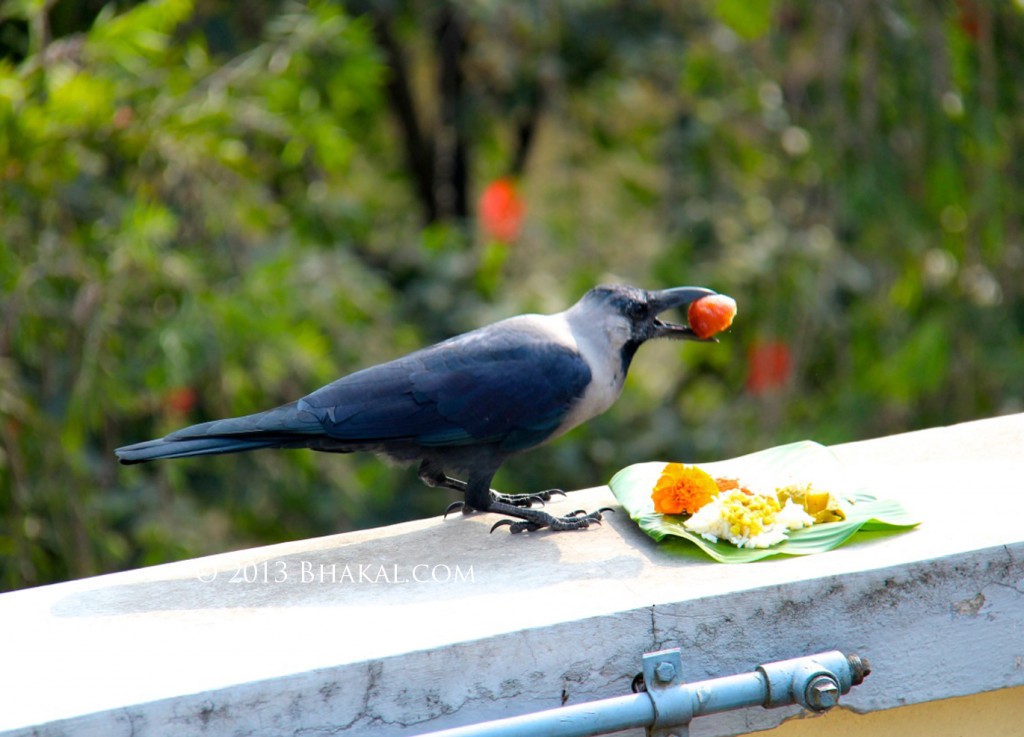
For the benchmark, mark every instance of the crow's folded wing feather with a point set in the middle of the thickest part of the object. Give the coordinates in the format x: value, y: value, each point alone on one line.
x: 509, y: 387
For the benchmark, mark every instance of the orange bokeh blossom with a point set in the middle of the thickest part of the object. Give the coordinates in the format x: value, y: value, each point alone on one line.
x: 682, y: 489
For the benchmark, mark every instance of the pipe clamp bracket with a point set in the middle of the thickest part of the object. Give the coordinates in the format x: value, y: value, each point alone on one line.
x: 673, y: 708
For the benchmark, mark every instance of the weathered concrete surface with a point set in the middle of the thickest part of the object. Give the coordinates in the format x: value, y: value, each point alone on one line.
x: 434, y: 623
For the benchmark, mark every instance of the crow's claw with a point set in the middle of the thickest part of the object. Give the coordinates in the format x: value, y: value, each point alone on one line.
x: 578, y: 520
x: 516, y: 526
x: 457, y: 505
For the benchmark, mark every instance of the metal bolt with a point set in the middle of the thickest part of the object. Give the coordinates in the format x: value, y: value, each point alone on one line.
x: 860, y: 668
x: 822, y: 693
x: 665, y: 672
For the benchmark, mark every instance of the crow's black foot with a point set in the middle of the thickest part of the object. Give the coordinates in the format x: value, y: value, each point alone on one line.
x: 533, y: 520
x: 521, y: 501
x: 525, y: 500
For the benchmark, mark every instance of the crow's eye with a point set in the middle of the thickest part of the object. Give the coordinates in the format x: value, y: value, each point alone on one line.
x: 638, y: 311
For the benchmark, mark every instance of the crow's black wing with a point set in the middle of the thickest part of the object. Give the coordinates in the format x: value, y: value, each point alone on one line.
x: 505, y: 386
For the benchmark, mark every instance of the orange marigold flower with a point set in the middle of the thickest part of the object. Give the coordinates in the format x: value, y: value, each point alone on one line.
x: 682, y: 489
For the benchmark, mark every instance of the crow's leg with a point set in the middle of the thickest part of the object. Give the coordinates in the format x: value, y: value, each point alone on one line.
x: 434, y: 477
x: 478, y: 496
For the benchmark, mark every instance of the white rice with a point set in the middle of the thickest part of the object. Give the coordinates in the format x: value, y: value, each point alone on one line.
x: 713, y: 521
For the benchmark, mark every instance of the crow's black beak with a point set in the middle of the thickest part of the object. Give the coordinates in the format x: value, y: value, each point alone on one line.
x: 666, y: 299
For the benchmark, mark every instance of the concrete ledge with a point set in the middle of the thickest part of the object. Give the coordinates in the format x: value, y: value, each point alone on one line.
x: 433, y: 624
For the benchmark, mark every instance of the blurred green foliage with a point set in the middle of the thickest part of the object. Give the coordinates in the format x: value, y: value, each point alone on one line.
x: 204, y: 215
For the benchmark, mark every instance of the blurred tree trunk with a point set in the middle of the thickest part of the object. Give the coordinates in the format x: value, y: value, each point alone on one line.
x: 418, y: 148
x: 437, y: 160
x: 451, y: 144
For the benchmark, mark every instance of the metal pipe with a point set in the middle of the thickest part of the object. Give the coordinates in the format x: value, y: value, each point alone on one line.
x: 813, y: 681
x: 727, y: 693
x: 579, y: 720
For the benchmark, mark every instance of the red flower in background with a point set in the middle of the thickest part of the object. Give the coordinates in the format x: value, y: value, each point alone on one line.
x: 123, y: 117
x: 180, y: 400
x: 770, y: 363
x: 969, y: 18
x: 502, y: 210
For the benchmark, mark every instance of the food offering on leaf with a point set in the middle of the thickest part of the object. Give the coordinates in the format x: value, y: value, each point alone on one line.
x: 761, y: 501
x: 710, y: 315
x: 731, y: 510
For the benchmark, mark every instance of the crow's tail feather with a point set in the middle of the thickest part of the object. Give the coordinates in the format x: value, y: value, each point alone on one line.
x: 283, y: 427
x: 152, y: 450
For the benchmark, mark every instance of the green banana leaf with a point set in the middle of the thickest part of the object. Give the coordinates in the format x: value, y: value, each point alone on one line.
x: 801, y: 462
